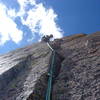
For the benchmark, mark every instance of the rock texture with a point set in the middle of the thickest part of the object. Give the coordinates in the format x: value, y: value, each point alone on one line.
x: 21, y: 69
x: 23, y: 72
x: 79, y: 77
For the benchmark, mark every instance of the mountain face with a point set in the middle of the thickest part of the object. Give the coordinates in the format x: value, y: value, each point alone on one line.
x: 24, y: 72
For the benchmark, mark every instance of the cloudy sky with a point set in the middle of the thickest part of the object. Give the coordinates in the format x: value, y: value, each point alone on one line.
x: 23, y: 22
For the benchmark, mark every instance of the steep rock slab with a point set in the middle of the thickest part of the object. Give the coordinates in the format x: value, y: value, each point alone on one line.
x: 79, y: 77
x: 21, y: 69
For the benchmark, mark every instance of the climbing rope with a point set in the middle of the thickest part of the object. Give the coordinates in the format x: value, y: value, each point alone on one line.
x: 50, y: 46
x: 50, y: 79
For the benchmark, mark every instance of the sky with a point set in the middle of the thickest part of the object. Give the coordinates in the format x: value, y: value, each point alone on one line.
x: 23, y: 22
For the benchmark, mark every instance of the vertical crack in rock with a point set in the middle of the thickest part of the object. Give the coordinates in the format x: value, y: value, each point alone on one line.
x: 79, y: 77
x: 39, y: 92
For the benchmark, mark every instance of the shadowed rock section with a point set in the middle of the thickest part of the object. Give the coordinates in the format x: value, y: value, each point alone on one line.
x: 39, y: 92
x: 23, y: 72
x: 12, y: 73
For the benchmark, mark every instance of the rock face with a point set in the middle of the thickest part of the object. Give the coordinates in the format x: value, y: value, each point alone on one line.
x: 23, y: 72
x: 21, y: 69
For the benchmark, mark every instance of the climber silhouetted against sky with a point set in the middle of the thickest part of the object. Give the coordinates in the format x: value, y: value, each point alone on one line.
x: 46, y: 38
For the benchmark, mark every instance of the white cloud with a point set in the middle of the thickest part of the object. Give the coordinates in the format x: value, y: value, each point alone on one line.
x: 8, y: 28
x: 23, y: 4
x: 11, y: 13
x: 40, y: 19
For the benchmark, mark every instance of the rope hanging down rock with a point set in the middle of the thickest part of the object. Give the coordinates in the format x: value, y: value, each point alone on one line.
x: 50, y: 74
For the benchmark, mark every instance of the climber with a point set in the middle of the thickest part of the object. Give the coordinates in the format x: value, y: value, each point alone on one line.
x: 46, y: 38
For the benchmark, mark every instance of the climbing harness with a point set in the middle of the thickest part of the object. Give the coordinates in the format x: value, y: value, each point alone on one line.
x: 50, y: 74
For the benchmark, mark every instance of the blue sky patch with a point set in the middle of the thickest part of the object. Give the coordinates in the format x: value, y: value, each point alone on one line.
x: 11, y: 4
x: 73, y: 16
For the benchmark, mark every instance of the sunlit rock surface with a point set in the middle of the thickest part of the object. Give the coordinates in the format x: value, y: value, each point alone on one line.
x: 23, y: 72
x: 20, y: 70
